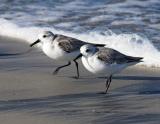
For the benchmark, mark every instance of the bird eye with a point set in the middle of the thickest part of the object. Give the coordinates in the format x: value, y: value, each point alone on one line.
x: 87, y: 50
x: 44, y: 36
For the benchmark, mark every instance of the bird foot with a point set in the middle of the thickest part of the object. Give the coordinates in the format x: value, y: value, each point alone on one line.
x: 55, y: 72
x: 75, y: 77
x: 102, y: 93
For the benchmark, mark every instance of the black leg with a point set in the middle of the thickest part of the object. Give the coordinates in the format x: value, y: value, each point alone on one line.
x: 76, y: 63
x: 110, y: 78
x: 108, y: 83
x: 57, y: 69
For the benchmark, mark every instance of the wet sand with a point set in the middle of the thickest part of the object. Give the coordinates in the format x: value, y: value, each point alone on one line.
x: 29, y: 93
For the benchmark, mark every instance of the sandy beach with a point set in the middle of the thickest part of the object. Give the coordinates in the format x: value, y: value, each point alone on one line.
x: 30, y: 94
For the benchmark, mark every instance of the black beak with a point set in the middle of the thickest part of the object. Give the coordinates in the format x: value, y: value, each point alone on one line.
x: 80, y: 55
x: 37, y: 41
x: 99, y: 45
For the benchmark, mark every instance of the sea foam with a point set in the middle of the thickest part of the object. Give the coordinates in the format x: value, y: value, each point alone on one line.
x: 129, y: 44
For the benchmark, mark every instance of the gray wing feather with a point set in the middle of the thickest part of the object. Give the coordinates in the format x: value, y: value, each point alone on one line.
x: 69, y: 44
x: 111, y: 56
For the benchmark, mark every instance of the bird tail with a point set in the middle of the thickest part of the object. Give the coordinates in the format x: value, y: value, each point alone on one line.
x: 134, y: 59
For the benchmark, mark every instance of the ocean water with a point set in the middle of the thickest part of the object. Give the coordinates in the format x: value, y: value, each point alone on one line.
x: 130, y: 26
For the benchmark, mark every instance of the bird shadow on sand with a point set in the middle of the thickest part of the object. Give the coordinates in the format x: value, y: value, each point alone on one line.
x: 130, y: 77
x: 150, y: 84
x: 93, y: 79
x: 121, y: 77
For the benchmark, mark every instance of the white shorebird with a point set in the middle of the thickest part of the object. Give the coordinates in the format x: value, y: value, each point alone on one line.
x: 60, y: 47
x: 105, y: 61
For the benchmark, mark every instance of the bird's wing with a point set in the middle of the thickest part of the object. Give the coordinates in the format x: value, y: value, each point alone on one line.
x: 110, y: 56
x: 69, y: 44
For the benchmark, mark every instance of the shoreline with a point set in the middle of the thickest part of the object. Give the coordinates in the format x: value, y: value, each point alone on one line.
x: 29, y: 93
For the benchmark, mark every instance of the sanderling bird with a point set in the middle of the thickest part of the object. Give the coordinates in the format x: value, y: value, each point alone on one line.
x: 62, y: 48
x: 105, y: 61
